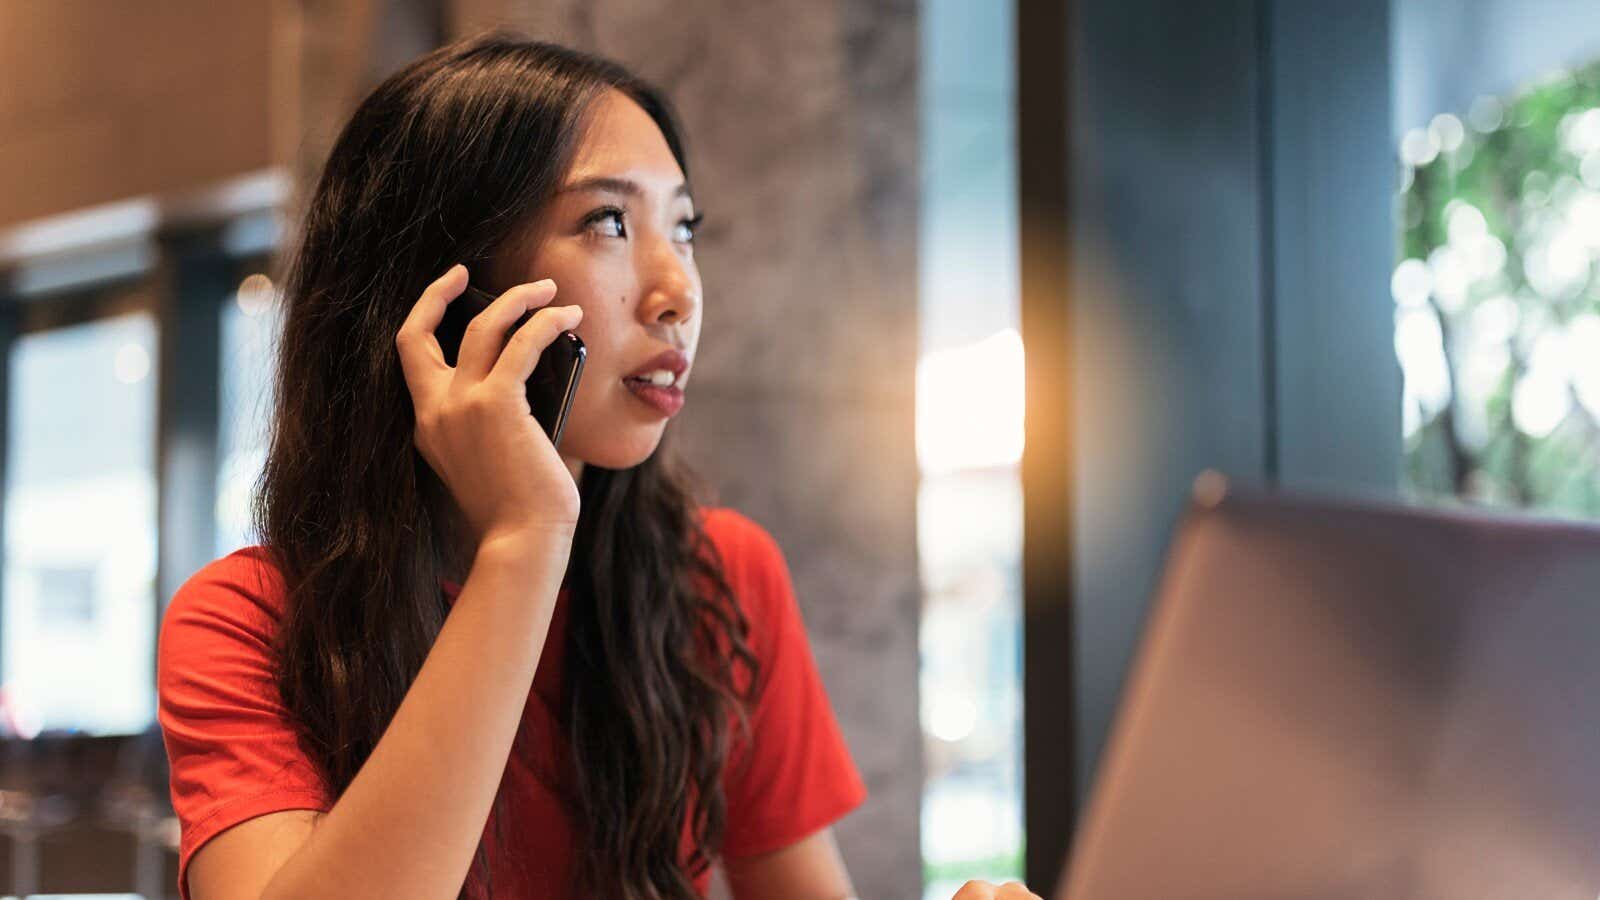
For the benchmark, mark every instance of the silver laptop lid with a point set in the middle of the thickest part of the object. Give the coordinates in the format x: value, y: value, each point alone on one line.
x: 1339, y: 701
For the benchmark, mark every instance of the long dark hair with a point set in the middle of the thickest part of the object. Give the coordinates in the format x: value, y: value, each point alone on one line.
x: 451, y: 159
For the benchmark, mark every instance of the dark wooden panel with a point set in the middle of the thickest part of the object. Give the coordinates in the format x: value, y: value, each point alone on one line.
x: 1050, y: 734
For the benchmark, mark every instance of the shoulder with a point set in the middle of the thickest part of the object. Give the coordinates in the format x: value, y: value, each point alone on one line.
x: 237, y: 599
x: 245, y: 584
x: 751, y: 559
x: 740, y: 540
x: 757, y: 573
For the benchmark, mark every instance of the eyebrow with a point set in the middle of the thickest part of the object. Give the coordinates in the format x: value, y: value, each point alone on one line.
x: 624, y: 186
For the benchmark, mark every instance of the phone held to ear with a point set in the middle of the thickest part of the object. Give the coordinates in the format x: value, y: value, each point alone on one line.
x: 554, y: 381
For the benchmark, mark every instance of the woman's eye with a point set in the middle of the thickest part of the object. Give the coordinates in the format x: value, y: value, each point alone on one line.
x: 684, y: 234
x: 607, y: 215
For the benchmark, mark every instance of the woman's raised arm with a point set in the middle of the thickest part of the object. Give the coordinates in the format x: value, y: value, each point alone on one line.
x: 410, y: 821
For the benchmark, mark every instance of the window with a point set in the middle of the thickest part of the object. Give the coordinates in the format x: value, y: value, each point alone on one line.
x: 252, y: 319
x: 969, y: 446
x: 1497, y: 308
x: 78, y: 626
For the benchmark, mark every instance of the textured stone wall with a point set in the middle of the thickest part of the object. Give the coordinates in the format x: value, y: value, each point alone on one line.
x: 802, y: 129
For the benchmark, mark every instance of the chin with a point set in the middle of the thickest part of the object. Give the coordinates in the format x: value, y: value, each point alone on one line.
x: 614, y: 450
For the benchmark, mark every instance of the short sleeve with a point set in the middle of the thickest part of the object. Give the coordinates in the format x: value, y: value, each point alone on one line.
x: 230, y: 744
x: 796, y: 776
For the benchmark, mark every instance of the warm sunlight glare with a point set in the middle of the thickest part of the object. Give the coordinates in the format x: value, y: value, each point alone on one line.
x: 970, y: 405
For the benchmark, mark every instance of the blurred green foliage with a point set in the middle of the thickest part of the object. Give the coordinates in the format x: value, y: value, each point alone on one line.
x: 1503, y: 386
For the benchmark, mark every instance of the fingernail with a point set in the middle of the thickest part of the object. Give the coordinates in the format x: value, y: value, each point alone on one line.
x: 453, y: 268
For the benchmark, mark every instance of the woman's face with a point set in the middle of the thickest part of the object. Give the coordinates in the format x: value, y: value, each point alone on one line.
x: 617, y: 241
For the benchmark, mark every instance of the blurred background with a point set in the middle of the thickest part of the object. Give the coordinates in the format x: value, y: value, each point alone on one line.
x: 1341, y: 247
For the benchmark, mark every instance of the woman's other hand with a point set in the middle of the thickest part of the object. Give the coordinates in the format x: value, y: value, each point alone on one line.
x: 983, y: 890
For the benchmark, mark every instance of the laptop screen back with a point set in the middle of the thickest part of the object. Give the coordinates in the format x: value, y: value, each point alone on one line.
x: 1342, y: 701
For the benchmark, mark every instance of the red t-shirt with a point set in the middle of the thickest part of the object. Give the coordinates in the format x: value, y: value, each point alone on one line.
x: 234, y: 755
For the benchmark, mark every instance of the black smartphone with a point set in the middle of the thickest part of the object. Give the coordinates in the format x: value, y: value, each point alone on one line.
x: 554, y: 381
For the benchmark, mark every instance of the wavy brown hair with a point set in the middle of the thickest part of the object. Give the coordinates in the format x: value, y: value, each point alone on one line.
x: 451, y: 159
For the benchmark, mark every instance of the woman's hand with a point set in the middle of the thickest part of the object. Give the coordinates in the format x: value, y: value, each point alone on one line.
x: 474, y: 426
x: 983, y: 890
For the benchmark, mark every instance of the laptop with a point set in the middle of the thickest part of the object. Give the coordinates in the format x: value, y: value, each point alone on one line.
x: 1352, y: 700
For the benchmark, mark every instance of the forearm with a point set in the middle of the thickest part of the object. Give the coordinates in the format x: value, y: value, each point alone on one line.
x: 411, y: 819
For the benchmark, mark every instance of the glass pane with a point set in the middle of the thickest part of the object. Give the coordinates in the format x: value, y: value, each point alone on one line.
x: 1497, y: 300
x: 970, y: 541
x: 78, y: 624
x: 251, y: 322
x: 969, y: 441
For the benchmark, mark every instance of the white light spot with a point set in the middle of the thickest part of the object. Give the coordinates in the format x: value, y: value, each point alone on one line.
x: 1410, y: 415
x: 1419, y: 147
x: 1580, y: 132
x: 1411, y: 283
x: 1558, y: 267
x: 1446, y: 132
x: 1589, y: 169
x: 1419, y: 346
x: 1451, y: 277
x: 1495, y: 319
x: 131, y: 364
x: 1486, y: 114
x: 1583, y: 358
x: 1482, y: 369
x: 1540, y: 401
x: 1486, y: 256
x: 1464, y: 222
x: 1583, y: 214
x: 970, y: 403
x: 255, y: 294
x: 952, y: 717
x: 1569, y: 258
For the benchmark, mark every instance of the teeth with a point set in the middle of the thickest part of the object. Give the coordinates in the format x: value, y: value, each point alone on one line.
x: 660, y: 377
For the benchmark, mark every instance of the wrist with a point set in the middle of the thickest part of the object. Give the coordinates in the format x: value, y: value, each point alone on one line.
x: 531, y: 542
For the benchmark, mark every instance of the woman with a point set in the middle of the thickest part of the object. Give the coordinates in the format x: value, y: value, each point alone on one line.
x: 460, y: 662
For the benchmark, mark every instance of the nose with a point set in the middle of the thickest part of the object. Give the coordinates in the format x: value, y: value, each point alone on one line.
x: 672, y: 294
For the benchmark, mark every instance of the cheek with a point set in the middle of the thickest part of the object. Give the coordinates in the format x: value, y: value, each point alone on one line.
x: 581, y: 276
x: 605, y: 318
x: 601, y: 334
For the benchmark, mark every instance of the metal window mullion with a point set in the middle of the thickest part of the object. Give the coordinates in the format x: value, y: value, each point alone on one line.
x: 187, y: 436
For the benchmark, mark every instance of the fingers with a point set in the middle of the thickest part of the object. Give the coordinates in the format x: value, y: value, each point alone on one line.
x: 486, y: 334
x: 531, y: 338
x: 421, y: 358
x: 983, y: 890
